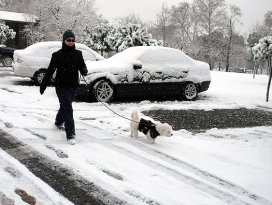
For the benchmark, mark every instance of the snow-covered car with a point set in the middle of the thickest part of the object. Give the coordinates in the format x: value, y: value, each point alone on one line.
x: 147, y: 71
x: 33, y: 61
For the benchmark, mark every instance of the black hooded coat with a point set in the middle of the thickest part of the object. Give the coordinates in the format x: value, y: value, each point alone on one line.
x: 66, y: 62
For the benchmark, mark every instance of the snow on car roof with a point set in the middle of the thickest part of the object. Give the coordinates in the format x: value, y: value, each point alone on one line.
x: 137, y: 51
x: 40, y: 46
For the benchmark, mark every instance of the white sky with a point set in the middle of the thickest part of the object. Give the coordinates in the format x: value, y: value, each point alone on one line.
x: 252, y: 10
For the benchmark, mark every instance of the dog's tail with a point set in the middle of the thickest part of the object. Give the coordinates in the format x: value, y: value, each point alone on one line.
x: 135, y: 116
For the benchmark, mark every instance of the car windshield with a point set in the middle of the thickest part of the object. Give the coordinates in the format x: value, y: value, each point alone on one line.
x: 128, y: 54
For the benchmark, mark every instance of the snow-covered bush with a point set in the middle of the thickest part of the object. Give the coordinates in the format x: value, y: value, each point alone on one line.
x: 96, y: 37
x: 6, y: 33
x: 134, y: 35
x: 263, y: 51
x: 105, y: 37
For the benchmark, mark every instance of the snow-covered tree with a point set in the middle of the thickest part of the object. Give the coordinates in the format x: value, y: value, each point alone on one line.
x: 268, y: 19
x: 58, y: 16
x: 216, y: 51
x: 163, y: 24
x: 133, y: 35
x: 55, y: 17
x: 234, y: 15
x: 105, y: 37
x: 131, y: 18
x: 184, y: 32
x: 32, y: 35
x: 4, y: 3
x: 211, y: 17
x: 6, y: 33
x: 257, y: 31
x: 97, y: 37
x: 263, y: 51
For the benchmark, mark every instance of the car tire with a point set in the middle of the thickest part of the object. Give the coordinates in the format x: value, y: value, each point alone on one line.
x: 189, y: 91
x: 38, y: 76
x: 7, y: 61
x: 103, y: 91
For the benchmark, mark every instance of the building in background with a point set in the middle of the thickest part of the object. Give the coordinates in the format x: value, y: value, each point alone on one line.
x: 17, y: 22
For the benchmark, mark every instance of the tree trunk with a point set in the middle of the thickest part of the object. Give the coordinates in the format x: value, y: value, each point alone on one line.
x: 269, y: 81
x: 229, y: 48
x: 256, y: 66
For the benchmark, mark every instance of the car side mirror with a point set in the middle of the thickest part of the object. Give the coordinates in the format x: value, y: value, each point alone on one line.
x: 136, y: 66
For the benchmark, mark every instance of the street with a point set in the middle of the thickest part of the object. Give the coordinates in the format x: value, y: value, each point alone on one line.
x: 220, y: 152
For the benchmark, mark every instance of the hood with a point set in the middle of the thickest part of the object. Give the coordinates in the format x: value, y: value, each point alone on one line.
x: 108, y: 65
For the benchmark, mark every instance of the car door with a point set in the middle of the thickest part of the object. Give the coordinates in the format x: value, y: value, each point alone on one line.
x: 160, y: 71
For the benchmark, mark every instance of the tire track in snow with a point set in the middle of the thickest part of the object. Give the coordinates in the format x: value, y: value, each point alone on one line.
x: 232, y: 189
x: 10, y: 91
x: 227, y: 197
x: 213, y: 185
x: 223, y: 184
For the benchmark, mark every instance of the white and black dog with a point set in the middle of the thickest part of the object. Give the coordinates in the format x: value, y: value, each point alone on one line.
x: 150, y: 129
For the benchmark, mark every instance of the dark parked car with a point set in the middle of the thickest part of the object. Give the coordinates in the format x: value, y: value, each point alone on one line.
x: 6, y: 55
x: 147, y: 71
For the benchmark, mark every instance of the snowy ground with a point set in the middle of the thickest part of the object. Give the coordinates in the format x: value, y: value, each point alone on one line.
x: 228, y: 166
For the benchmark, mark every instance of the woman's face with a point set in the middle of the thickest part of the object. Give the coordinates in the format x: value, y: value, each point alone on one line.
x: 70, y: 42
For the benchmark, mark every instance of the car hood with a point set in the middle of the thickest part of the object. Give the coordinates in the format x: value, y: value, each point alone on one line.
x: 111, y: 66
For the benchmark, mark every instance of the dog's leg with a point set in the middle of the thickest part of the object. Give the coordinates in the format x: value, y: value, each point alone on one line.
x: 134, y: 125
x: 133, y: 132
x: 136, y: 133
x: 149, y: 138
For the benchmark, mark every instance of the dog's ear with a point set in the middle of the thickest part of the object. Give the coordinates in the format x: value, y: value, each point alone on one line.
x: 160, y: 128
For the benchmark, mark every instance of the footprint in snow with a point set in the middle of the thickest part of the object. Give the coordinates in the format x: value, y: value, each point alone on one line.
x: 8, y: 124
x: 58, y: 152
x: 13, y: 172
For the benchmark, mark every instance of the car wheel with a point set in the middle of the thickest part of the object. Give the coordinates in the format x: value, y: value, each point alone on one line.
x: 7, y: 61
x: 190, y: 91
x: 38, y: 76
x: 103, y: 91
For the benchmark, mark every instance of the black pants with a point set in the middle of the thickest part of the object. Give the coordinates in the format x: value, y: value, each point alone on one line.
x: 65, y: 113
